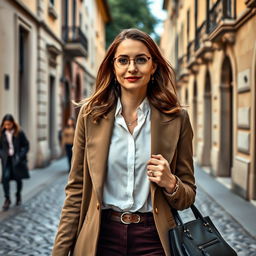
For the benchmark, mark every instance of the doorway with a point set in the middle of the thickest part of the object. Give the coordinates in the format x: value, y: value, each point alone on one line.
x: 51, y: 115
x: 78, y: 94
x: 226, y: 112
x: 195, y: 107
x: 66, y: 104
x: 207, y: 121
x: 23, y: 78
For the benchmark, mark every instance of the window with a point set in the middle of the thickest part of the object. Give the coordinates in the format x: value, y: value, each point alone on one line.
x: 176, y: 52
x: 181, y: 42
x: 66, y: 13
x: 186, y: 96
x: 51, y: 10
x: 80, y: 20
x: 196, y: 14
x: 188, y: 25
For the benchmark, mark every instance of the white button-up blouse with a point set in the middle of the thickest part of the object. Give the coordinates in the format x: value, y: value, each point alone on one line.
x: 127, y: 187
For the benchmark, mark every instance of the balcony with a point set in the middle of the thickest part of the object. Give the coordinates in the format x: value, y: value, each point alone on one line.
x: 203, y: 47
x: 182, y: 72
x: 76, y: 43
x: 217, y: 28
x: 221, y: 19
x: 191, y: 60
x: 220, y: 11
x: 201, y: 33
x: 250, y: 3
x: 190, y: 50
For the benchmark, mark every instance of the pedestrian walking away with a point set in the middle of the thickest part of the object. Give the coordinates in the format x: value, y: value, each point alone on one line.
x: 14, y: 147
x: 132, y: 157
x: 67, y: 138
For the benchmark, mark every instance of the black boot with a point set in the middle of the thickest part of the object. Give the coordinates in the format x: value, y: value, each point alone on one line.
x: 18, y: 199
x: 7, y: 203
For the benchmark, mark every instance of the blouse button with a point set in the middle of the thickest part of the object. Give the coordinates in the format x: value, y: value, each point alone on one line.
x: 156, y: 210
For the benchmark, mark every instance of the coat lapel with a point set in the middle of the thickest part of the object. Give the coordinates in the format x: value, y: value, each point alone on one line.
x: 98, y: 141
x: 164, y: 137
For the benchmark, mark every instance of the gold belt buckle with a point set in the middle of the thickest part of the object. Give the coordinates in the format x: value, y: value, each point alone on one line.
x: 129, y: 213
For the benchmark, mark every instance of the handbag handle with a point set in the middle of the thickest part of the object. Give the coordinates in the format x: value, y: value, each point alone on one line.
x: 195, y: 211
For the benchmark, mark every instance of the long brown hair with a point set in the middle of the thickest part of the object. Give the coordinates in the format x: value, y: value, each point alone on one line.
x: 10, y: 118
x: 161, y: 91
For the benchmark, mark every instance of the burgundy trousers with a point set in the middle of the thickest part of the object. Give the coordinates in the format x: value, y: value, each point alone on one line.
x: 118, y: 239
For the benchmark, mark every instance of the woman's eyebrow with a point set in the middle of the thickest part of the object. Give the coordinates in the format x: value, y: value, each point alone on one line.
x: 138, y: 55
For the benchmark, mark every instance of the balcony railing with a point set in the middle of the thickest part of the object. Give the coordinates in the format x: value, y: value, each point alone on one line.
x: 200, y: 32
x: 181, y: 68
x: 221, y: 10
x: 76, y: 41
x: 190, y: 50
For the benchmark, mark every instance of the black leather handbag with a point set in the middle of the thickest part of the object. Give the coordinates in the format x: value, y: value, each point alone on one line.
x: 198, y: 237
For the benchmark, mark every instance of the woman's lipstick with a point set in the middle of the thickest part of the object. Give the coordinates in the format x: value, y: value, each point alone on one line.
x: 132, y: 79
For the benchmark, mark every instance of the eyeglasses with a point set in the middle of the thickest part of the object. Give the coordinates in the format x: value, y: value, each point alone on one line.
x: 124, y: 61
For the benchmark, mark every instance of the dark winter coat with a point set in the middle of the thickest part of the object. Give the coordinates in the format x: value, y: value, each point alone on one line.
x: 19, y: 159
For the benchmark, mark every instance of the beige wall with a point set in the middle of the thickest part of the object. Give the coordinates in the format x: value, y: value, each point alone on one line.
x: 201, y: 11
x: 31, y: 5
x: 240, y: 7
x: 48, y: 147
x: 100, y: 36
x: 49, y: 109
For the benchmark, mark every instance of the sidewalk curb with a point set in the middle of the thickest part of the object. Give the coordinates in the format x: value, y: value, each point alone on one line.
x: 242, y: 211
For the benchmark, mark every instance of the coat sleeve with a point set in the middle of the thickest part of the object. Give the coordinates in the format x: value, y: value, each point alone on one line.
x: 184, y: 170
x: 69, y: 220
x: 24, y: 145
x: 1, y: 148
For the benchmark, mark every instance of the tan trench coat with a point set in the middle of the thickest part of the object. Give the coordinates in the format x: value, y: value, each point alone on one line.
x: 171, y: 136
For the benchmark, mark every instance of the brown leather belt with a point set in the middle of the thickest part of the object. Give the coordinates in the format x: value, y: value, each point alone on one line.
x: 128, y: 217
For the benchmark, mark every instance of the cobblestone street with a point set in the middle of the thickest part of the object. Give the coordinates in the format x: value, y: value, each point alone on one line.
x: 32, y: 229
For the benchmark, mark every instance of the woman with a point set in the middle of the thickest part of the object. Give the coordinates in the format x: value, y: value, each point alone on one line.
x: 14, y: 147
x: 132, y: 157
x: 68, y: 138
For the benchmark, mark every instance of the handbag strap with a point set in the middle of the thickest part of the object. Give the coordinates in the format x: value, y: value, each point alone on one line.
x: 196, y: 212
x: 177, y: 217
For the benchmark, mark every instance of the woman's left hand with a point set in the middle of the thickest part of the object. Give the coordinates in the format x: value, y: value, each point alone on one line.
x: 158, y: 171
x: 16, y: 159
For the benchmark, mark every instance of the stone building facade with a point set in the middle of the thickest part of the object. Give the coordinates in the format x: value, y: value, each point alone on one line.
x: 45, y: 64
x: 212, y: 45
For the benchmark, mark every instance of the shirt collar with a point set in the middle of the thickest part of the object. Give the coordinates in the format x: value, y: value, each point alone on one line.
x: 11, y: 132
x: 143, y: 107
x: 118, y: 107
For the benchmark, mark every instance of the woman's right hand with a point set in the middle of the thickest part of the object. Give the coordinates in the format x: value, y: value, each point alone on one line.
x: 158, y: 170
